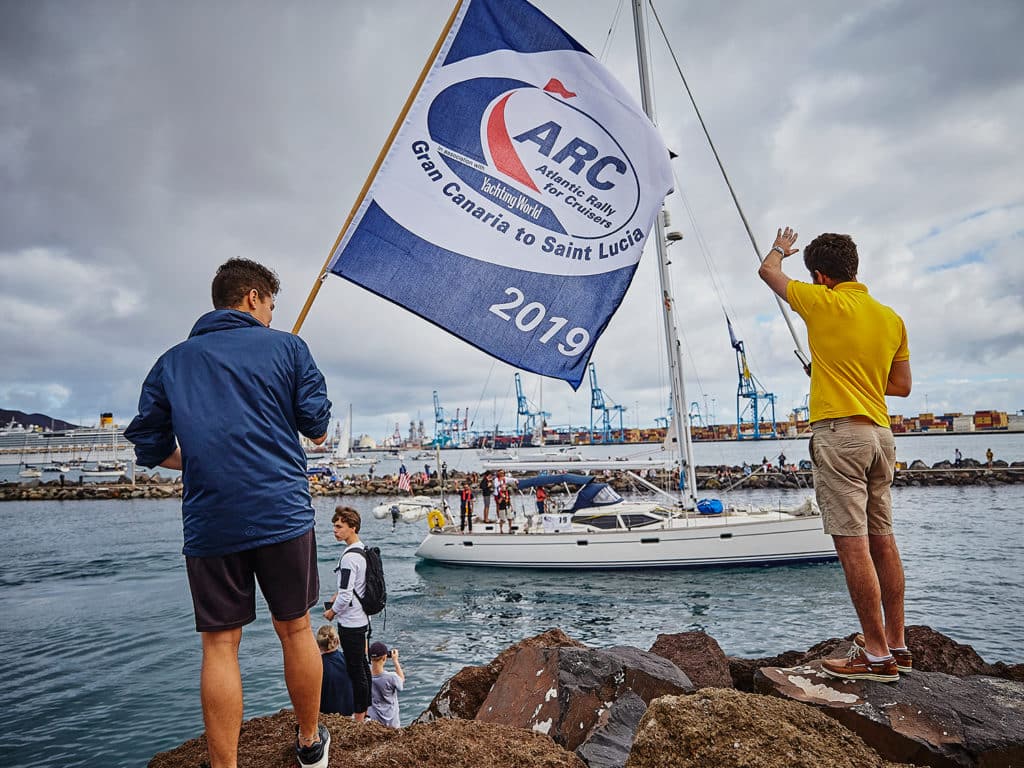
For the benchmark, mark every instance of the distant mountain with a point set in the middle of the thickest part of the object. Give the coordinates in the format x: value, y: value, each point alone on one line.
x: 34, y: 419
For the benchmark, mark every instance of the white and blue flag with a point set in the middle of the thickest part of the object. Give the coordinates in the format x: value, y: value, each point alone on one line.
x: 526, y: 178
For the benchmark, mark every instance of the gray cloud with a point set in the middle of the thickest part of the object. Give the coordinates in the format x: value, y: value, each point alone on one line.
x: 143, y: 144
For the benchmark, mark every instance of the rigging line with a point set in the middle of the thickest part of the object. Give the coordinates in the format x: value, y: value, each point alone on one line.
x: 719, y: 288
x: 682, y: 334
x: 476, y: 413
x: 799, y: 351
x: 611, y: 31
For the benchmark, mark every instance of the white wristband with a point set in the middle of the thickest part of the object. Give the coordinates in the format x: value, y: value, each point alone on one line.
x: 781, y: 252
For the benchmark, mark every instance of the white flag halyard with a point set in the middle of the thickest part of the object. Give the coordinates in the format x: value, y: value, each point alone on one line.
x: 525, y: 175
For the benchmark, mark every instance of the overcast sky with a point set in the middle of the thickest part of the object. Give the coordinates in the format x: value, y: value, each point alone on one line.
x: 144, y: 143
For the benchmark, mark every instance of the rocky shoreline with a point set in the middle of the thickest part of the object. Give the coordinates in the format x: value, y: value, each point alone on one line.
x: 732, y: 479
x: 552, y: 701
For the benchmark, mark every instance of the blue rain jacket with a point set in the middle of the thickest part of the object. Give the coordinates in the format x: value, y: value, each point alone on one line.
x: 234, y: 395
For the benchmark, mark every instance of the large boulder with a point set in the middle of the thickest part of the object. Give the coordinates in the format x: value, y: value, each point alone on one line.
x: 731, y: 729
x: 928, y: 718
x: 743, y: 670
x: 698, y: 655
x: 463, y: 693
x: 570, y: 694
x: 933, y: 652
x: 269, y: 742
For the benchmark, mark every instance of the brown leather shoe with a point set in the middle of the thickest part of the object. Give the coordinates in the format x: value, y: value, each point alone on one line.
x: 904, y: 658
x: 856, y: 666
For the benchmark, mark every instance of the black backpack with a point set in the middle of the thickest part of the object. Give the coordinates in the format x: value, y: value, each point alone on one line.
x: 375, y: 596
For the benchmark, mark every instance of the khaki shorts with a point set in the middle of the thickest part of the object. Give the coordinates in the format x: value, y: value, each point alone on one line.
x: 853, y: 463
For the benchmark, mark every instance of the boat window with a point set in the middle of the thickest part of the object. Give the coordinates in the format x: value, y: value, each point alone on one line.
x: 635, y: 521
x: 606, y: 495
x: 605, y: 522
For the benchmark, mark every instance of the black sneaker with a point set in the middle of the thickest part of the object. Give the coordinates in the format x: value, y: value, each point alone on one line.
x: 315, y: 755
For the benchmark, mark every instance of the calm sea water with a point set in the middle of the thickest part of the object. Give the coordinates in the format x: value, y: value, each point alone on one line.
x: 101, y: 665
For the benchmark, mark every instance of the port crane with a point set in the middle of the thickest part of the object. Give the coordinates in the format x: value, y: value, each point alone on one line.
x: 696, y: 417
x: 605, y: 410
x: 528, y: 424
x: 753, y: 402
x: 446, y: 431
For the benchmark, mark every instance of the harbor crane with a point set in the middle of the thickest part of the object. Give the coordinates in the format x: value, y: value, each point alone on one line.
x: 605, y: 409
x: 446, y: 431
x: 696, y: 417
x: 528, y: 425
x: 753, y: 402
x: 802, y: 412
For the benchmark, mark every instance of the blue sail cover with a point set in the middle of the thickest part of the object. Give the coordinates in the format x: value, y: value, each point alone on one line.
x: 525, y: 178
x: 571, y: 479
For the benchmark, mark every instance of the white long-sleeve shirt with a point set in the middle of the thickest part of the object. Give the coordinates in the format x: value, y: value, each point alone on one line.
x: 351, y: 570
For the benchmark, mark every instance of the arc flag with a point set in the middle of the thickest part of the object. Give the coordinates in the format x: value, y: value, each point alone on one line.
x: 514, y: 202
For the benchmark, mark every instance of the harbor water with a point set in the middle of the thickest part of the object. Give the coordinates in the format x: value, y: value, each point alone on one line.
x: 101, y: 663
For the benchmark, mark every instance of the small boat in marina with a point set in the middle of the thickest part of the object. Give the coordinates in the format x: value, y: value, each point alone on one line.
x: 104, y: 469
x: 28, y: 471
x: 411, y: 509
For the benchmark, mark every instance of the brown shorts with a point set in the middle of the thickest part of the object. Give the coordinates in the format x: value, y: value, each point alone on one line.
x: 224, y: 587
x: 853, y: 464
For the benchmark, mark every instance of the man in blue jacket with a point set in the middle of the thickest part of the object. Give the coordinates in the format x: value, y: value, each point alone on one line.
x: 225, y: 407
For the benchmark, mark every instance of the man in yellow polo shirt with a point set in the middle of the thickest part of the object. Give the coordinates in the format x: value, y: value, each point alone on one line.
x: 859, y: 355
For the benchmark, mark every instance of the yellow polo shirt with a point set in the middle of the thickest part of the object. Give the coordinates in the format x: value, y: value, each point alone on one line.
x: 854, y: 341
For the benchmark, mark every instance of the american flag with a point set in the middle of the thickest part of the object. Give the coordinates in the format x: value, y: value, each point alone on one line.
x: 403, y: 483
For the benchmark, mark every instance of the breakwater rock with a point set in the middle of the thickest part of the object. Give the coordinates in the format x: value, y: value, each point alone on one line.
x: 552, y: 701
x: 715, y: 479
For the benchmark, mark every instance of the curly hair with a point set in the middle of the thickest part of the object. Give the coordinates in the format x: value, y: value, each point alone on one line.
x: 349, y: 516
x: 236, y: 277
x: 327, y: 638
x: 834, y: 256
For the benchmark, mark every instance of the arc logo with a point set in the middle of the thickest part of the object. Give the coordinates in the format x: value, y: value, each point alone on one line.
x: 537, y: 155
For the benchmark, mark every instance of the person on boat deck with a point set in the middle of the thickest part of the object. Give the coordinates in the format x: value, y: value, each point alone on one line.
x: 465, y: 506
x: 247, y: 515
x: 542, y: 496
x: 503, y: 502
x: 860, y: 354
x: 335, y: 688
x: 486, y: 487
x: 353, y: 623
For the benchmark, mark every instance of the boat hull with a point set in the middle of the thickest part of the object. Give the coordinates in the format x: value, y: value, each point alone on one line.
x: 701, y: 544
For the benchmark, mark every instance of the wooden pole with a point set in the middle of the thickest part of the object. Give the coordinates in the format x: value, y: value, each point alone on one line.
x: 376, y: 166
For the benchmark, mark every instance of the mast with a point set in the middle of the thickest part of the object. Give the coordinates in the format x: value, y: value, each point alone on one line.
x: 675, y: 366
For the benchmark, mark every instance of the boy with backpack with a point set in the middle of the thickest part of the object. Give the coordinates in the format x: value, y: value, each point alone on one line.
x: 360, y: 594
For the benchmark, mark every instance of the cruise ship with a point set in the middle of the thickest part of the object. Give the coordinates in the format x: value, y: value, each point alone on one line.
x: 19, y: 443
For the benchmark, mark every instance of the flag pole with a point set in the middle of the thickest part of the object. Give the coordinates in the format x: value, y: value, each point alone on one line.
x: 376, y: 166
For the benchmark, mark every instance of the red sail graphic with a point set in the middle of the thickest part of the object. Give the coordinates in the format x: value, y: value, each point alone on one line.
x: 555, y: 86
x: 502, y: 152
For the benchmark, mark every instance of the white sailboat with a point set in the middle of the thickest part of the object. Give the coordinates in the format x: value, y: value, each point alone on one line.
x: 342, y: 456
x: 112, y: 469
x: 599, y: 530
